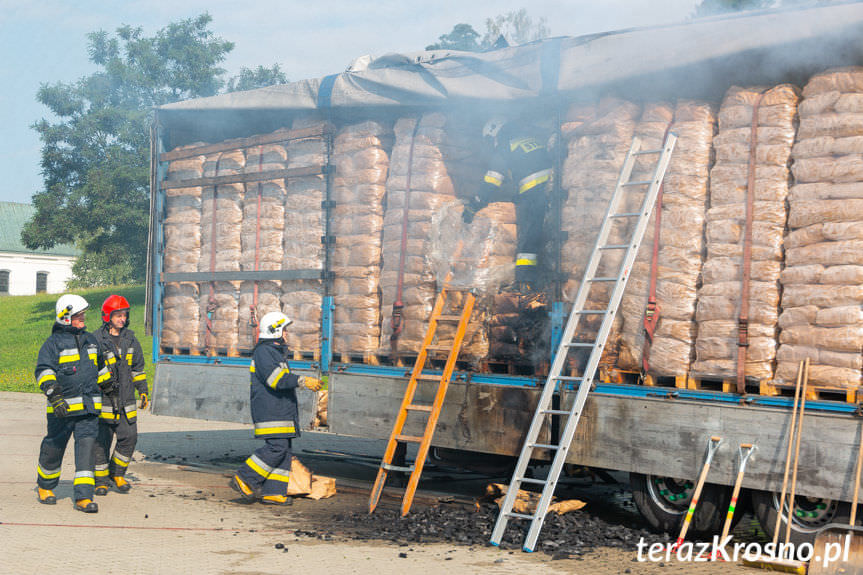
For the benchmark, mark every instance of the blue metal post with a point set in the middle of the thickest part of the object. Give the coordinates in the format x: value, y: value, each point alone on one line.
x: 327, y: 334
x: 558, y: 317
x: 158, y: 245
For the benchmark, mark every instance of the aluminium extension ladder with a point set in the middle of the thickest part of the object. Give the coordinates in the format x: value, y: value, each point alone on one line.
x: 555, y: 380
x: 432, y: 410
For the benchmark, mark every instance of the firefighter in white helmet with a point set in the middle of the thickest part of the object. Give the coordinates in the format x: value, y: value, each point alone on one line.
x: 274, y: 413
x: 521, y: 172
x: 71, y: 371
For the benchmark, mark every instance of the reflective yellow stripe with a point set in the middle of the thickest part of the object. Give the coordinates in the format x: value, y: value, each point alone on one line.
x: 103, y: 377
x: 93, y: 358
x: 256, y: 468
x: 72, y: 407
x: 112, y: 360
x: 491, y: 178
x: 277, y: 477
x: 120, y: 462
x: 68, y: 358
x: 45, y: 475
x: 139, y: 377
x: 46, y: 377
x: 525, y: 262
x: 131, y: 414
x: 252, y: 366
x: 129, y: 358
x: 98, y: 406
x: 543, y: 177
x: 269, y: 430
x: 101, y: 473
x: 84, y: 481
x: 105, y: 415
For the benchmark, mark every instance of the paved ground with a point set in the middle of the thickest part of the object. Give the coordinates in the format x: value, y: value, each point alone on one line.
x: 180, y: 517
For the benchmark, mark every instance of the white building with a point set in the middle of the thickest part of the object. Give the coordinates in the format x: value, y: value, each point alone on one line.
x: 24, y: 271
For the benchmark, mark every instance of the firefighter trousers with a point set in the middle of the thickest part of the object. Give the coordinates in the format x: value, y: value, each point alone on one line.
x: 269, y: 467
x: 60, y: 429
x: 127, y: 437
x: 530, y: 223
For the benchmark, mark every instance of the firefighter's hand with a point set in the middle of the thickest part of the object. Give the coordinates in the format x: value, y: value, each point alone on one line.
x: 145, y: 400
x: 312, y: 383
x: 56, y: 400
x: 108, y: 387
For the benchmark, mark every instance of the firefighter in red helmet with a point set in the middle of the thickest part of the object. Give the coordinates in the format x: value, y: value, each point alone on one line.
x: 119, y: 412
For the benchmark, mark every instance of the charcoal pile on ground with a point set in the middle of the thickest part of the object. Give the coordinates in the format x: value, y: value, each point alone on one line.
x: 573, y: 533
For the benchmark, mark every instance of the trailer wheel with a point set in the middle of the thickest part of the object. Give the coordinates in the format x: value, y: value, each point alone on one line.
x: 810, y: 515
x: 663, y: 502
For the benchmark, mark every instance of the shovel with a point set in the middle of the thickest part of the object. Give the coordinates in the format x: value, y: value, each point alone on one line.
x: 712, y: 446
x: 840, y: 547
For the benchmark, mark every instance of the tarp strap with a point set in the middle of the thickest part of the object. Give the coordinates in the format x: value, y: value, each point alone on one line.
x: 211, y: 300
x: 325, y: 91
x: 743, y: 318
x: 253, y: 311
x: 651, y: 314
x: 550, y: 66
x: 396, y: 320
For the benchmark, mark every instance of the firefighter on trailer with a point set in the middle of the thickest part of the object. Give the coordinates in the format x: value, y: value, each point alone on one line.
x: 274, y: 413
x: 71, y: 371
x: 521, y: 156
x: 125, y: 360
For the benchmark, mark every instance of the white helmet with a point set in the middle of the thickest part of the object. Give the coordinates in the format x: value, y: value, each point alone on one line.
x: 492, y: 127
x: 67, y: 306
x: 273, y: 324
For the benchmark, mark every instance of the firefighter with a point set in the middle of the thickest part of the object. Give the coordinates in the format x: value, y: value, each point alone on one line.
x: 521, y: 157
x: 274, y: 414
x: 71, y: 371
x: 119, y: 416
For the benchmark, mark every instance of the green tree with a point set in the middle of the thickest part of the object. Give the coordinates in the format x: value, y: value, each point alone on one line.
x: 462, y: 37
x: 516, y: 26
x: 260, y: 77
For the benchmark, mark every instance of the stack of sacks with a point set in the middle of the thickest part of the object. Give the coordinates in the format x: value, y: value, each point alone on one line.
x: 221, y: 249
x: 822, y: 297
x: 182, y: 229
x: 303, y: 250
x: 597, y: 139
x: 426, y: 181
x: 681, y: 236
x: 357, y: 222
x: 262, y: 238
x: 719, y: 298
x: 484, y: 263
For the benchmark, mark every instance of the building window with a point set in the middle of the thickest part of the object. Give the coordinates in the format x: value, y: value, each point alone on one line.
x: 4, y: 282
x: 41, y: 282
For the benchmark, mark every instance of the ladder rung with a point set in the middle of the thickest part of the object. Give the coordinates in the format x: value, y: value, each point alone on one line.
x: 639, y: 183
x: 409, y: 438
x: 602, y: 280
x: 592, y: 312
x: 544, y: 446
x: 520, y: 515
x: 569, y: 378
x: 429, y: 377
x: 580, y: 344
x: 449, y: 318
x: 391, y: 467
x: 645, y: 152
x: 534, y: 481
x: 415, y: 407
x: 555, y: 411
x: 438, y: 348
x: 615, y: 247
x: 625, y: 215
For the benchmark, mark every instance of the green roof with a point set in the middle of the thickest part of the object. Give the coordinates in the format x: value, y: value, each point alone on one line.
x: 13, y: 216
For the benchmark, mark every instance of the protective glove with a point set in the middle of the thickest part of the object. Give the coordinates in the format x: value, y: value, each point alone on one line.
x: 468, y: 212
x: 145, y: 400
x: 312, y: 383
x: 108, y: 386
x: 56, y: 400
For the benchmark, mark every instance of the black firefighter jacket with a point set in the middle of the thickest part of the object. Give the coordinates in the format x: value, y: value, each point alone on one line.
x: 273, y: 392
x: 126, y: 364
x: 73, y: 359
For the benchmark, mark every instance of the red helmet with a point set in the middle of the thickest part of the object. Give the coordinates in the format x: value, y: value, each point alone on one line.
x: 112, y: 304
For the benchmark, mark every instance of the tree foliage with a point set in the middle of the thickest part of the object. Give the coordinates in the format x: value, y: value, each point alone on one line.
x: 260, y: 77
x: 95, y: 157
x: 516, y: 27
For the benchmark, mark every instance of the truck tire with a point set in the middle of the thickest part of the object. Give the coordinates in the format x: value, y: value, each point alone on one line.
x: 811, y: 514
x: 663, y: 502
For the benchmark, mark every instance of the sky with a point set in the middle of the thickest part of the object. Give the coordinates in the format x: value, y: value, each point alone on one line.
x: 45, y: 41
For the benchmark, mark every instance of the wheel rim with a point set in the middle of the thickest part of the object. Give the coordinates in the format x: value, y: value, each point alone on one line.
x: 810, y: 513
x: 670, y: 494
